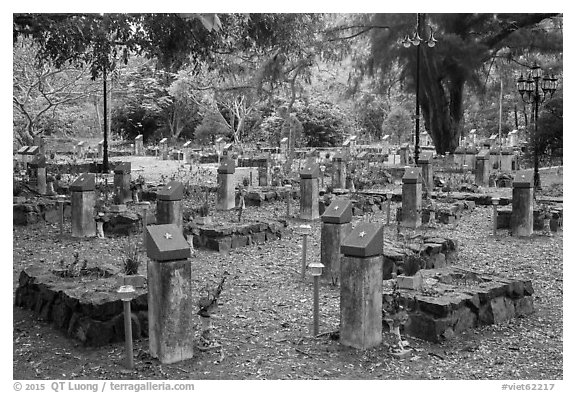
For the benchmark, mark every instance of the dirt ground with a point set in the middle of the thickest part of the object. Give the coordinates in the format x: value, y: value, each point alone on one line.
x: 264, y: 319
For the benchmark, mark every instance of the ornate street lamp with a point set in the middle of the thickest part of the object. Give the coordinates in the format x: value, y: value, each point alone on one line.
x: 533, y: 93
x: 416, y: 41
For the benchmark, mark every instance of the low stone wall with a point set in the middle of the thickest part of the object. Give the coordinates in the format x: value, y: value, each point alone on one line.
x: 556, y: 220
x: 89, y: 311
x: 431, y: 253
x: 257, y: 196
x: 223, y: 238
x: 454, y: 300
x: 443, y: 214
x: 26, y: 212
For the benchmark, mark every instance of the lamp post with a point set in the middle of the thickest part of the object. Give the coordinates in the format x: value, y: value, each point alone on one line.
x: 126, y: 293
x: 416, y: 41
x: 530, y: 93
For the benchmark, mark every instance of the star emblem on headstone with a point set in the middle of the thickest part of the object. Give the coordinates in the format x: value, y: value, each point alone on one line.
x: 362, y: 234
x: 168, y: 235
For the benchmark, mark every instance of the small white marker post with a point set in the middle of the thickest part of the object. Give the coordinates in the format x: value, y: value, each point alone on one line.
x: 126, y: 292
x: 316, y: 272
x: 495, y: 202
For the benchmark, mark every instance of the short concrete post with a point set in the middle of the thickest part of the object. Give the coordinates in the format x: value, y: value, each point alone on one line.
x: 139, y: 145
x: 38, y: 167
x: 304, y: 231
x: 122, y: 177
x: 264, y: 173
x: 61, y: 215
x: 163, y: 145
x: 425, y: 164
x: 412, y: 198
x: 482, y: 170
x: 170, y: 301
x: 521, y: 222
x: 388, y: 203
x: 126, y: 293
x: 145, y: 207
x: 495, y: 202
x: 361, y: 287
x: 336, y: 225
x: 339, y: 171
x: 101, y: 149
x: 404, y: 154
x: 225, y: 195
x: 83, y: 201
x: 309, y: 192
x: 288, y: 199
x: 169, y: 204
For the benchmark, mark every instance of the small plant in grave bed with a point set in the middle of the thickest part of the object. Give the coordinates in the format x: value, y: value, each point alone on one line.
x: 131, y: 258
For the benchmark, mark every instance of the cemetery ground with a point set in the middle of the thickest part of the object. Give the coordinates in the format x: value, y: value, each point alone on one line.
x: 263, y: 322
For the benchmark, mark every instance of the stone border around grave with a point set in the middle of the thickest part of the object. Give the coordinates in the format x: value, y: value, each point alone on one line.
x: 94, y: 317
x: 489, y: 300
x: 223, y: 238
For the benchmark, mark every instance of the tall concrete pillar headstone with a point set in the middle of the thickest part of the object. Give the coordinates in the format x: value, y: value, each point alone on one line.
x: 101, y: 149
x: 169, y: 204
x: 40, y: 142
x: 482, y: 170
x: 163, y: 146
x: 284, y: 146
x: 339, y: 171
x: 22, y: 158
x: 404, y: 154
x: 412, y: 198
x: 171, y: 307
x: 309, y: 191
x: 336, y: 225
x: 186, y: 149
x: 361, y: 286
x: 83, y: 200
x: 264, y: 172
x: 225, y: 195
x: 521, y: 222
x: 38, y: 168
x: 80, y: 150
x: 139, y: 145
x: 122, y: 177
x: 425, y: 164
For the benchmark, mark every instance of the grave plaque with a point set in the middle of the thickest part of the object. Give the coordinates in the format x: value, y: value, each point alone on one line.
x: 366, y: 240
x: 173, y: 191
x: 166, y: 243
x: 339, y: 212
x: 84, y: 182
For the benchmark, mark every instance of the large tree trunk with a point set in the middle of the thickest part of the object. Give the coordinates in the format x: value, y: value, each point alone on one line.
x: 441, y: 103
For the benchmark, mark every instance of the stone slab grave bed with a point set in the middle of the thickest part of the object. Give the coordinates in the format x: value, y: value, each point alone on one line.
x: 85, y: 308
x: 453, y: 300
x: 220, y: 237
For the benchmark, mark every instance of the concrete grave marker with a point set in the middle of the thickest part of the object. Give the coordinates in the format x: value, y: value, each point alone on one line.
x: 482, y: 170
x: 521, y: 222
x: 225, y: 196
x: 336, y: 225
x: 170, y: 302
x: 139, y: 145
x: 339, y: 171
x: 361, y: 287
x: 38, y: 168
x: 412, y: 198
x: 169, y: 204
x: 122, y: 177
x: 163, y: 145
x: 83, y: 200
x: 425, y: 164
x: 309, y: 191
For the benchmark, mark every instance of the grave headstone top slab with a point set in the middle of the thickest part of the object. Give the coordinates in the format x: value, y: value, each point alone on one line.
x: 163, y: 140
x: 139, y: 138
x: 187, y: 144
x: 219, y: 140
x: 366, y: 240
x: 123, y: 168
x: 310, y: 171
x: 425, y: 157
x: 412, y: 175
x: 173, y: 191
x: 32, y: 150
x: 101, y: 142
x: 338, y: 156
x: 84, y: 182
x: 227, y: 166
x: 166, y: 243
x: 339, y: 212
x: 80, y: 144
x: 483, y: 154
x: 284, y: 140
x: 38, y: 162
x: 22, y: 150
x: 523, y: 180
